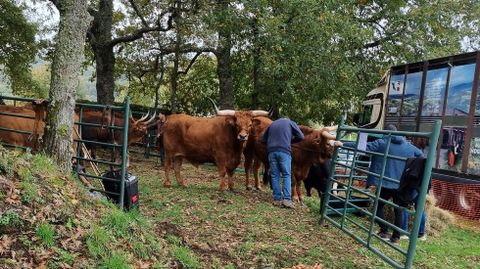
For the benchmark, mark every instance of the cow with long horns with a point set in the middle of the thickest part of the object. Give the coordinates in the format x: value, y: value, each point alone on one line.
x: 137, y: 129
x: 219, y: 140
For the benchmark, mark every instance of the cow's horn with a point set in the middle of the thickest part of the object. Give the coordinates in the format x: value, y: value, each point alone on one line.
x: 226, y: 112
x: 214, y: 105
x: 271, y: 111
x: 260, y: 113
x: 331, y: 128
x: 328, y: 135
x: 144, y: 117
x: 151, y: 118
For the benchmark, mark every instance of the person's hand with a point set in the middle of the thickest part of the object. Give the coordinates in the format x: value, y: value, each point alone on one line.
x: 338, y: 143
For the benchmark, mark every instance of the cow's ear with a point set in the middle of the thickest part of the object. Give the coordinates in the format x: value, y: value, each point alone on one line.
x: 255, y: 122
x: 230, y: 121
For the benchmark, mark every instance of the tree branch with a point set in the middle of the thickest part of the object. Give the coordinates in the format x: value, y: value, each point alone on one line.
x: 140, y: 32
x: 192, y: 61
x: 137, y: 11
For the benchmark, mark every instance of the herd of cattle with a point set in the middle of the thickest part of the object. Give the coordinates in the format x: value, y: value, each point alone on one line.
x: 221, y: 140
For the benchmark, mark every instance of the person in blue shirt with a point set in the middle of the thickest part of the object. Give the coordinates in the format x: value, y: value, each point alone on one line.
x: 279, y: 136
x: 393, y: 169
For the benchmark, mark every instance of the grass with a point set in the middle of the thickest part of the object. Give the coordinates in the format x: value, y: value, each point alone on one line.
x: 116, y: 261
x: 46, y: 233
x: 243, y: 230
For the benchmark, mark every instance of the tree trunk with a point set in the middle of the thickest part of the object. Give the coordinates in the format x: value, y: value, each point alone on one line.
x: 66, y: 66
x: 256, y: 66
x: 100, y: 41
x: 224, y: 66
x: 174, y: 75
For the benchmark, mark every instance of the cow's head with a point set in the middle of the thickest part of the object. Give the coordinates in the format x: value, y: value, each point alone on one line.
x: 324, y: 142
x: 137, y: 129
x: 241, y: 120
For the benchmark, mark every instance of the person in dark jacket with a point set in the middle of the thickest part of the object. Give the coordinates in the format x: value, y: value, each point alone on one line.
x: 393, y: 169
x: 279, y: 136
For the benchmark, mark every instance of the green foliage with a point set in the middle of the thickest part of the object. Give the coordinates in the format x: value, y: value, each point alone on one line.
x: 9, y: 219
x: 29, y: 192
x: 185, y: 256
x: 97, y: 241
x: 66, y: 256
x: 115, y: 261
x: 42, y: 165
x: 46, y: 233
x: 119, y: 222
x: 17, y: 46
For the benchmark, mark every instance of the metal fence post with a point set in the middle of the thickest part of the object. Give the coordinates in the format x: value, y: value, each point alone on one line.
x: 326, y: 195
x: 433, y: 140
x: 126, y: 115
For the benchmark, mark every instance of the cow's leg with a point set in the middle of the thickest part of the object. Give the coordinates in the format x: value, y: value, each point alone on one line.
x: 177, y: 165
x: 231, y: 180
x: 256, y: 167
x: 167, y: 167
x: 299, y: 190
x: 247, y: 165
x: 222, y: 172
x: 294, y: 189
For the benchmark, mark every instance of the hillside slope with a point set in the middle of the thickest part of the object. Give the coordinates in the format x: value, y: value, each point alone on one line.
x: 49, y: 220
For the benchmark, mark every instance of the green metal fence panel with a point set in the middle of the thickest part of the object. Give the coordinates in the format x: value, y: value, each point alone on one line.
x: 352, y: 176
x: 80, y: 142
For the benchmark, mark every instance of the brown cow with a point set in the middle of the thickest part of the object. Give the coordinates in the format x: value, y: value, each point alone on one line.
x: 220, y: 140
x: 35, y: 125
x: 255, y: 151
x: 314, y: 149
x: 137, y: 129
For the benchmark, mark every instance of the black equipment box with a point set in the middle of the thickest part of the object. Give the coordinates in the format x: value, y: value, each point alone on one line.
x: 131, y: 198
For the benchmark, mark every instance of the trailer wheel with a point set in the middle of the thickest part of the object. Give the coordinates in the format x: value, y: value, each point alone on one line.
x: 469, y: 203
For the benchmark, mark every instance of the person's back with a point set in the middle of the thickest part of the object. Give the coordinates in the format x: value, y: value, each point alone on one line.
x: 279, y: 134
x: 393, y: 168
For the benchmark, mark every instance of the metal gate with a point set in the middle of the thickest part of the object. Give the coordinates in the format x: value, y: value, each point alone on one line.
x: 345, y: 208
x: 80, y: 156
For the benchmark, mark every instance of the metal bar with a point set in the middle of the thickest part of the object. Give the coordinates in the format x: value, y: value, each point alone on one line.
x: 99, y: 106
x: 13, y: 98
x: 124, y: 150
x: 98, y: 143
x: 326, y: 195
x: 17, y: 115
x: 99, y: 125
x: 79, y: 144
x: 384, y: 132
x: 103, y: 191
x: 13, y: 146
x: 15, y: 131
x: 350, y: 179
x: 423, y: 193
x: 97, y: 161
x: 99, y: 177
x: 366, y: 172
x: 376, y: 154
x: 379, y: 188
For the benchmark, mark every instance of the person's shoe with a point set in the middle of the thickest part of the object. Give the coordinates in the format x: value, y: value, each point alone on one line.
x: 277, y: 203
x: 383, y: 235
x: 395, y: 240
x: 422, y: 237
x: 404, y: 237
x: 288, y: 204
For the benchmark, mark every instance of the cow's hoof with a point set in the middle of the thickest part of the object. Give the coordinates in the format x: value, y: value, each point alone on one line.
x: 167, y: 185
x: 295, y: 199
x: 258, y: 188
x: 249, y: 188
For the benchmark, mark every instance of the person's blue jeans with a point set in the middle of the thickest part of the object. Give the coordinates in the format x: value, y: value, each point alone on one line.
x: 423, y: 219
x: 280, y: 164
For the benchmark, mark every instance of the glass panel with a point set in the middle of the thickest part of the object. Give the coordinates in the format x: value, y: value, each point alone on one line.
x: 395, y: 94
x: 434, y: 92
x: 411, y: 97
x: 451, y: 152
x: 474, y: 157
x: 367, y: 114
x: 460, y: 90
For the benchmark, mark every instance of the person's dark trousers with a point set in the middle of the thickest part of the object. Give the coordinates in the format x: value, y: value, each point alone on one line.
x: 386, y: 194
